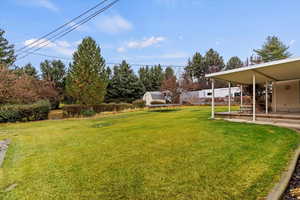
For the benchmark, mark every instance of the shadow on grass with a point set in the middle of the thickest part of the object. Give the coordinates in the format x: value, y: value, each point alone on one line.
x: 101, y: 125
x: 165, y: 110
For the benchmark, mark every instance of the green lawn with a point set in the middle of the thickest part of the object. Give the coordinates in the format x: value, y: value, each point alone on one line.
x: 144, y: 155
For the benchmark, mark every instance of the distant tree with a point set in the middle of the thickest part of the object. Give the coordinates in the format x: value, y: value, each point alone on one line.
x: 171, y: 85
x: 196, y: 68
x: 213, y: 62
x: 254, y: 60
x: 145, y: 77
x: 30, y: 70
x: 157, y: 76
x: 54, y: 71
x: 187, y: 84
x: 169, y: 73
x: 7, y: 53
x: 87, y: 77
x: 273, y: 49
x: 234, y: 63
x: 151, y: 77
x: 124, y: 86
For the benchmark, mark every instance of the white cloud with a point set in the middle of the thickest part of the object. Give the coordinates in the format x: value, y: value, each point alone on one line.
x: 81, y: 28
x: 121, y: 49
x: 145, y: 43
x: 140, y: 44
x: 48, y: 4
x: 113, y: 24
x: 62, y: 47
x: 292, y: 42
x: 174, y: 55
x: 41, y: 43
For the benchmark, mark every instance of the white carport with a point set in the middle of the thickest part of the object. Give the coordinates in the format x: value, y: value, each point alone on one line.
x: 266, y: 73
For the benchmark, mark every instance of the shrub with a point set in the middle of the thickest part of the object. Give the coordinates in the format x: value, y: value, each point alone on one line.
x: 157, y: 102
x: 23, y: 113
x: 24, y: 89
x: 76, y: 110
x: 87, y: 113
x: 139, y: 103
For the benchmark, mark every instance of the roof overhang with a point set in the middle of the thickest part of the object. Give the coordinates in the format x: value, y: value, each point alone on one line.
x: 281, y: 70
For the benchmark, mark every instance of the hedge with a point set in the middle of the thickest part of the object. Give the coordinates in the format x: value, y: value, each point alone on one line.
x: 78, y: 110
x: 139, y: 104
x: 24, y: 113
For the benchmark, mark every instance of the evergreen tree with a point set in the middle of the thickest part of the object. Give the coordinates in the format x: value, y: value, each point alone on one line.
x: 151, y: 77
x: 157, y: 76
x: 87, y: 78
x: 196, y: 67
x: 30, y: 70
x: 124, y: 86
x: 188, y: 70
x: 213, y: 62
x: 53, y: 71
x: 146, y: 78
x: 234, y: 63
x: 273, y: 49
x: 169, y: 73
x: 7, y: 53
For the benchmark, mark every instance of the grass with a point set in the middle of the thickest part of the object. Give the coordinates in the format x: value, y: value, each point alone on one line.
x: 144, y: 155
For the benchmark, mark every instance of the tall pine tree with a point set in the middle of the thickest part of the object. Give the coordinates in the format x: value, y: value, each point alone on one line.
x: 7, y: 53
x: 86, y: 81
x: 273, y: 49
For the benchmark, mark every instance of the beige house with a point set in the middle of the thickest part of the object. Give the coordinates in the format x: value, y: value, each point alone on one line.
x: 281, y: 80
x: 287, y: 94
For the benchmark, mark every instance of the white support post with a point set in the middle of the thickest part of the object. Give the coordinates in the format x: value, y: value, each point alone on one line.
x: 229, y: 97
x: 267, y: 101
x: 241, y: 88
x: 254, y: 96
x: 275, y: 96
x: 213, y: 99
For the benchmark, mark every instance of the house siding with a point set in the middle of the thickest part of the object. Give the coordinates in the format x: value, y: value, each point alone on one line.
x: 287, y: 96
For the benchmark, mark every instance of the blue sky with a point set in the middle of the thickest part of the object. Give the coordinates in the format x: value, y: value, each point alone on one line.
x: 156, y: 31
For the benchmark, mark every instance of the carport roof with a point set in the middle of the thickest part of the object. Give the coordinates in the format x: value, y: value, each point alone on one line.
x: 281, y: 70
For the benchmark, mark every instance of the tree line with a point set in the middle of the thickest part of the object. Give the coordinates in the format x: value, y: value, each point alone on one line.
x: 88, y: 80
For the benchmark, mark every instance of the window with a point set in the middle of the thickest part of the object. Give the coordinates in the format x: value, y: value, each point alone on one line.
x: 209, y: 93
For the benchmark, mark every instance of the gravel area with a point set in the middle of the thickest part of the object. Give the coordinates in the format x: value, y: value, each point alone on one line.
x: 293, y: 190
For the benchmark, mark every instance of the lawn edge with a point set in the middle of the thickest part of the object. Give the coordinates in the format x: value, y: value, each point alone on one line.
x: 278, y: 190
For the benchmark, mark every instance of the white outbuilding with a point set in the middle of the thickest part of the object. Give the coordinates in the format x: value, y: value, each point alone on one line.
x: 156, y: 96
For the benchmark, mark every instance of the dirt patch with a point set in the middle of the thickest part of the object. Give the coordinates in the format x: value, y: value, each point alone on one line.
x: 293, y: 190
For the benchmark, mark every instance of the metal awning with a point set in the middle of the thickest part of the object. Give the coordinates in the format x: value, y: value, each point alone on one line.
x: 281, y: 70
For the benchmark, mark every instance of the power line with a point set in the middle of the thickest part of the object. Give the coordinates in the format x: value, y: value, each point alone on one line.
x: 62, y: 26
x: 67, y: 31
x: 109, y: 63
